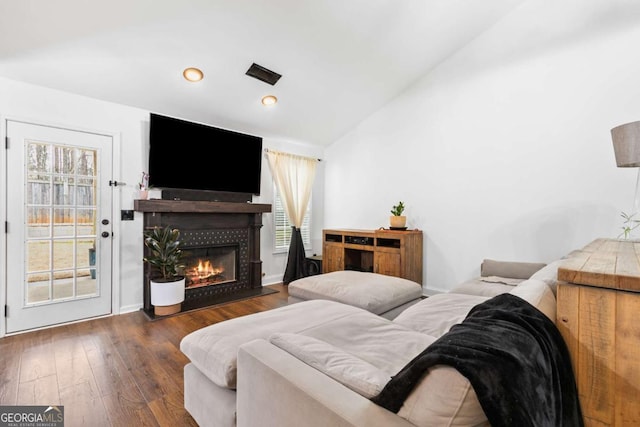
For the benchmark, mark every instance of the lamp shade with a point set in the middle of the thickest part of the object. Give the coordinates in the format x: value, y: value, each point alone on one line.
x: 626, y: 144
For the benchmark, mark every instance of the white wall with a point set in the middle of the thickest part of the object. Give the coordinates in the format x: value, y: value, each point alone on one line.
x: 504, y: 150
x: 42, y: 105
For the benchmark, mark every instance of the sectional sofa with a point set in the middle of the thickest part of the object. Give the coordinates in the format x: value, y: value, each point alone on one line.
x: 318, y: 362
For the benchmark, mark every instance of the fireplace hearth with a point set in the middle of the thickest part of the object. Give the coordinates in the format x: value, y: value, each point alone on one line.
x: 221, y: 246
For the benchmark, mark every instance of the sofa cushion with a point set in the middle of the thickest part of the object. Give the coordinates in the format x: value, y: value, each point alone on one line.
x: 443, y: 397
x: 213, y: 349
x: 384, y: 344
x: 514, y: 270
x: 349, y: 370
x: 539, y: 295
x: 435, y: 315
x: 373, y: 292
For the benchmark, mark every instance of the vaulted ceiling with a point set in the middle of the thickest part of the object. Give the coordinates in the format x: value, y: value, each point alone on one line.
x: 340, y: 60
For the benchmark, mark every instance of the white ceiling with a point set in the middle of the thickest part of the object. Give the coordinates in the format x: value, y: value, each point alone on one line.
x: 341, y: 60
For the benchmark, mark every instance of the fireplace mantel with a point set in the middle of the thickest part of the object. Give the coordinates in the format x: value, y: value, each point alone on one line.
x: 211, y: 223
x: 197, y: 206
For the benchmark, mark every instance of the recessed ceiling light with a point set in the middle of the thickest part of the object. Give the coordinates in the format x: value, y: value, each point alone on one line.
x: 269, y: 100
x: 192, y: 74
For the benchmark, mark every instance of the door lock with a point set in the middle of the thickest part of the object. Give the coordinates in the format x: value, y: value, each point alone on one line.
x: 105, y: 222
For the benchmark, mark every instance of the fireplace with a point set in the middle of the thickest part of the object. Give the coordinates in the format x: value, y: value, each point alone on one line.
x: 210, y: 265
x: 221, y: 246
x: 228, y: 245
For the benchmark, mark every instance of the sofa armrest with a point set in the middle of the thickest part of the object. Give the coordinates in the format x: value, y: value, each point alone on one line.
x: 276, y: 389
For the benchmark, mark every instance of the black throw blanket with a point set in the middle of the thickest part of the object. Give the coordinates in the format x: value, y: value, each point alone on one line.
x: 515, y: 359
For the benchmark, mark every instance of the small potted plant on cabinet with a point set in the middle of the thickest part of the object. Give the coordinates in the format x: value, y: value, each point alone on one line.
x: 165, y: 259
x: 398, y: 221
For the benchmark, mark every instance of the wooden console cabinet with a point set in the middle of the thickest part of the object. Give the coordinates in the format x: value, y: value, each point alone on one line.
x: 598, y: 308
x: 390, y: 252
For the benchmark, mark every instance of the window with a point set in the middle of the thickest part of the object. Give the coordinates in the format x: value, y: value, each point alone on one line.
x: 282, y: 226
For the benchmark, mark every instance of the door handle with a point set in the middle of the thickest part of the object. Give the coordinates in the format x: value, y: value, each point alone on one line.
x: 105, y: 234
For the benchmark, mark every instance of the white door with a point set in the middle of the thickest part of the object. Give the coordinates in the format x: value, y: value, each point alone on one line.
x: 58, y: 225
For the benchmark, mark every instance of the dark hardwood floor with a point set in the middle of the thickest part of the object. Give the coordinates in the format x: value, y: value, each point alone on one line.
x: 117, y: 371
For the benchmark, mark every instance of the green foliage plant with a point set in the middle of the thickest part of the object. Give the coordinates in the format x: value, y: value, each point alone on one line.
x: 397, y: 209
x: 164, y: 253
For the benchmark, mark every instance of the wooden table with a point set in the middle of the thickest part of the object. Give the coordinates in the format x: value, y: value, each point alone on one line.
x: 599, y: 318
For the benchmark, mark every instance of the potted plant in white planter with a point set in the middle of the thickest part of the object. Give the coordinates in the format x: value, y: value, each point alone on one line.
x: 165, y: 258
x: 397, y: 220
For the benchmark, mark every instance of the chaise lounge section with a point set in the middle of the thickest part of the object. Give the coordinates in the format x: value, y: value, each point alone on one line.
x: 210, y: 377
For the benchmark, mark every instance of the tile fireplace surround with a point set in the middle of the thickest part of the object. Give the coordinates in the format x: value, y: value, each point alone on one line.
x: 202, y: 225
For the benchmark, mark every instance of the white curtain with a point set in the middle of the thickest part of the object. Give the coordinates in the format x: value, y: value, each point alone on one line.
x: 294, y: 177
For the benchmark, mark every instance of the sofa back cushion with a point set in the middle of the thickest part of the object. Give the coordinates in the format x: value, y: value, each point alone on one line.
x: 539, y: 295
x: 549, y: 274
x: 514, y: 270
x: 486, y: 286
x: 437, y: 314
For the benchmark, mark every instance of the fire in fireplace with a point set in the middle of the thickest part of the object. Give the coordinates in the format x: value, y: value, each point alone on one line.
x: 211, y: 265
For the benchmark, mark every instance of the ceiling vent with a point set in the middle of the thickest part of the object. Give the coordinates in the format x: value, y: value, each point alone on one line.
x: 261, y: 73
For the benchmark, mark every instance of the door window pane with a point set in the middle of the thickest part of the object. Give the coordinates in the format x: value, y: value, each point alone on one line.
x: 63, y: 286
x: 38, y: 287
x: 38, y: 191
x: 87, y: 162
x: 64, y: 160
x: 39, y: 158
x: 63, y: 190
x: 38, y: 255
x: 38, y: 224
x: 63, y: 222
x: 62, y: 254
x: 86, y: 251
x: 87, y: 284
x: 86, y: 190
x: 85, y: 222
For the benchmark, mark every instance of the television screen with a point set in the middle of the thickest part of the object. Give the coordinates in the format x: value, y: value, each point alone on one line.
x: 193, y: 156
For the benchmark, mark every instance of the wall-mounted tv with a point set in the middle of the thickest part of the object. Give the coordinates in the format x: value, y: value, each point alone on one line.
x: 193, y: 156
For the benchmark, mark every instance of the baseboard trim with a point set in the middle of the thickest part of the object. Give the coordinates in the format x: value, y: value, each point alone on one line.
x: 130, y: 308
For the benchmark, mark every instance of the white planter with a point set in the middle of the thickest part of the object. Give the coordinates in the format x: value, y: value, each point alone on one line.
x: 167, y: 293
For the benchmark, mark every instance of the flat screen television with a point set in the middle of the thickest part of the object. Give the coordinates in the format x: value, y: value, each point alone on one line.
x: 193, y: 156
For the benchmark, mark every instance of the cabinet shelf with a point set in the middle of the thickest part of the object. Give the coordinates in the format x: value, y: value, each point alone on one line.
x: 390, y: 252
